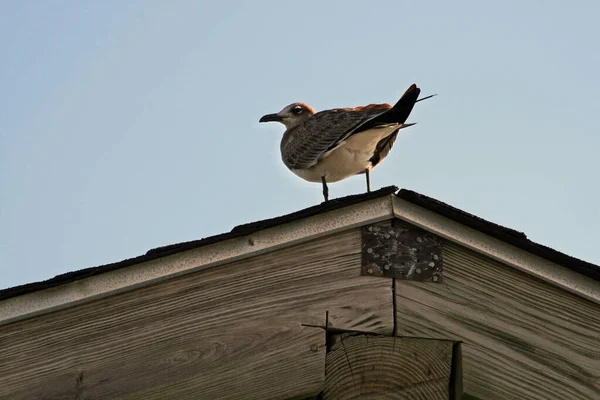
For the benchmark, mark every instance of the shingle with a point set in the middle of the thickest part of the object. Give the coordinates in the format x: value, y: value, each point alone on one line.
x: 241, y: 230
x: 507, y: 235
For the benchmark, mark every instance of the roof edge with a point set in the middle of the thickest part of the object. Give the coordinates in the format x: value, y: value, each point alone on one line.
x: 177, y: 261
x: 502, y: 233
x: 163, y: 251
x: 497, y: 249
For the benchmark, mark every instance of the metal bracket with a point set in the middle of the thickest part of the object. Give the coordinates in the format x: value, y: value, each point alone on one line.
x: 401, y: 253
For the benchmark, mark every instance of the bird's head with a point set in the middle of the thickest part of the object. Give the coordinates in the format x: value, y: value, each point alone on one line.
x: 291, y: 116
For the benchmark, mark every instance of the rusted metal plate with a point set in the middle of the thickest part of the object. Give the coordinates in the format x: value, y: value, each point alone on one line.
x: 401, y: 252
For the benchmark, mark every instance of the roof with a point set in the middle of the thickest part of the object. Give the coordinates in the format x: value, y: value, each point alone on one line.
x: 507, y: 235
x: 238, y: 231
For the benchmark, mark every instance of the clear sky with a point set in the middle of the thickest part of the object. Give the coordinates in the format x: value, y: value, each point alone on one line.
x: 126, y: 125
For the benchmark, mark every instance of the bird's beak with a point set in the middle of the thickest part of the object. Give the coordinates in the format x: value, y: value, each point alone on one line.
x: 271, y: 118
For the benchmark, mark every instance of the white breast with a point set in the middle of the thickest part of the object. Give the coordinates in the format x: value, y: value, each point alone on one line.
x: 348, y: 159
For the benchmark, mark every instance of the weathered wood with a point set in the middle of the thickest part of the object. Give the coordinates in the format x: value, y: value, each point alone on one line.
x: 361, y: 366
x: 397, y: 251
x: 230, y: 332
x: 523, y: 338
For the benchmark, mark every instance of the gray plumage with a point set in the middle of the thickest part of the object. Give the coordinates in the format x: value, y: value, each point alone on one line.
x: 332, y: 145
x: 304, y: 145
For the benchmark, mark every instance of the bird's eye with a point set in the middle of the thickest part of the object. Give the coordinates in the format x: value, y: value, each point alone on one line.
x: 297, y: 110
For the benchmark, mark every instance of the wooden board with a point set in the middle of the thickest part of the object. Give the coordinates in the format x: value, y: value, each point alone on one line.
x: 381, y: 367
x: 228, y: 332
x: 523, y: 338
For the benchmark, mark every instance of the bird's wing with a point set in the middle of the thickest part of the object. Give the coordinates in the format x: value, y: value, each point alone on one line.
x: 383, y: 148
x: 323, y: 133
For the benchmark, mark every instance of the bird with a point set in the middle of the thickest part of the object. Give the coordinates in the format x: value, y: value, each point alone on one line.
x: 332, y: 145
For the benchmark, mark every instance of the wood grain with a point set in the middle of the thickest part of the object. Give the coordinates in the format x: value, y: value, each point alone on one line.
x: 234, y: 331
x: 380, y: 367
x: 523, y: 338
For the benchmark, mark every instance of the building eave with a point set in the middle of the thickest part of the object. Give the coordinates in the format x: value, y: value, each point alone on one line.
x: 502, y: 244
x: 508, y: 254
x: 181, y: 262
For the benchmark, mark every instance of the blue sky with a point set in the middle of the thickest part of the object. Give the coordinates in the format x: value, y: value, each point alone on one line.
x: 130, y: 125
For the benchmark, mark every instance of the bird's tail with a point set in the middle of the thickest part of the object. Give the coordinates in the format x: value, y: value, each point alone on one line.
x: 402, y: 109
x: 399, y: 113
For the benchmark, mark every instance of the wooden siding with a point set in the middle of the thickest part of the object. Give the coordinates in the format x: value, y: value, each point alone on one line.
x: 228, y: 332
x: 523, y: 338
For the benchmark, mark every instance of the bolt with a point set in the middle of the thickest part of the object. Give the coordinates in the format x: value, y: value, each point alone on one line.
x: 431, y: 264
x: 314, y: 347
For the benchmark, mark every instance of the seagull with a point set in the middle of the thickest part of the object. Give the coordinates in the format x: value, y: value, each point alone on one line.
x: 332, y: 145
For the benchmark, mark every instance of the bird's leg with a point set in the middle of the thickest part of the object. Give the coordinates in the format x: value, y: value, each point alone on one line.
x: 325, y: 188
x: 368, y: 180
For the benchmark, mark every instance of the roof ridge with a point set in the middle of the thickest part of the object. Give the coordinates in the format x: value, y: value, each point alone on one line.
x: 507, y: 235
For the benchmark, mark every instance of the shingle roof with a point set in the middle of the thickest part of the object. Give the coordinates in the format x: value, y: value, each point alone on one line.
x: 238, y: 231
x: 499, y: 232
x: 507, y: 235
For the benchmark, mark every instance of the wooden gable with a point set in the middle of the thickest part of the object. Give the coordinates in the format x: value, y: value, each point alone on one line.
x: 384, y: 306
